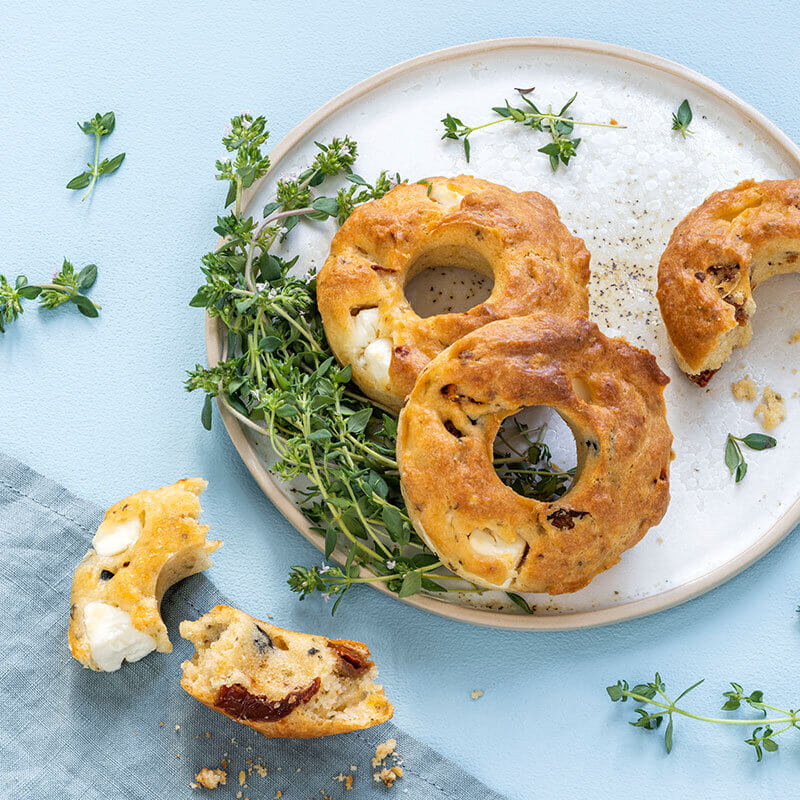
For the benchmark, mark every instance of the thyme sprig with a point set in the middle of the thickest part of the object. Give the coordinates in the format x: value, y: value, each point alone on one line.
x: 559, y: 125
x: 682, y: 118
x: 279, y: 378
x: 66, y: 286
x: 99, y: 125
x: 661, y: 707
x: 734, y: 459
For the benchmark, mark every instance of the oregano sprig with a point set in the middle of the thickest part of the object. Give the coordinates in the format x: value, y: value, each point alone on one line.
x: 657, y: 707
x: 734, y: 459
x: 559, y: 125
x: 67, y: 286
x: 98, y: 126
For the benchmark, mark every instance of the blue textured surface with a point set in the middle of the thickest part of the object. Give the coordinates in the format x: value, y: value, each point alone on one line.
x: 98, y: 405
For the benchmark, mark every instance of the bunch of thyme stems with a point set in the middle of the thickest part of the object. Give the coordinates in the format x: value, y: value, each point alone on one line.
x: 279, y: 378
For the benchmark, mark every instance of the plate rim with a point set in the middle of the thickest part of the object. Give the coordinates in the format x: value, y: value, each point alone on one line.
x: 574, y: 620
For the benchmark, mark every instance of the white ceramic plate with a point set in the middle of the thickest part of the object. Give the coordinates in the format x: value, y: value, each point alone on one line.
x: 623, y: 194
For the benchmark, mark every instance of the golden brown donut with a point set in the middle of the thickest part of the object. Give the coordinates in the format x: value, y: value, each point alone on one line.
x: 611, y: 396
x: 279, y: 682
x: 716, y: 256
x: 146, y: 542
x: 517, y: 238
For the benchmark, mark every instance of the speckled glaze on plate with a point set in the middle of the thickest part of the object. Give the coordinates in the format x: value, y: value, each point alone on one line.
x: 623, y: 194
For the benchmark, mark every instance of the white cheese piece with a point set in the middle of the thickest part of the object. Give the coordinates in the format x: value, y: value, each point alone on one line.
x: 373, y: 352
x: 112, y: 637
x: 445, y: 196
x: 377, y: 359
x: 114, y: 537
x: 366, y: 327
x: 486, y: 543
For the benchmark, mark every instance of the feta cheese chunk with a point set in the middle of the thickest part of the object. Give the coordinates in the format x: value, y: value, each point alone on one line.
x: 373, y: 352
x: 445, y: 196
x: 114, y: 537
x: 487, y: 543
x: 112, y: 637
x: 377, y: 358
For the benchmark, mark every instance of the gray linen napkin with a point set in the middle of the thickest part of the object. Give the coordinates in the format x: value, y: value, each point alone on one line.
x: 69, y: 732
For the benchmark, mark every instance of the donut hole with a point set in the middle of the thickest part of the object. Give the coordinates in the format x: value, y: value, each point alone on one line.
x: 448, y: 279
x: 524, y: 444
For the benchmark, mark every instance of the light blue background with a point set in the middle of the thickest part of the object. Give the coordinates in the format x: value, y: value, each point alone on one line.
x: 99, y: 405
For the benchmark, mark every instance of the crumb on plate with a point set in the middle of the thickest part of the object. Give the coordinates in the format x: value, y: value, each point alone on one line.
x: 744, y: 389
x: 771, y: 409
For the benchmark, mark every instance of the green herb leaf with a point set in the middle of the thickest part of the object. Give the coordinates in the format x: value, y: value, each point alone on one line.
x: 80, y: 181
x: 206, y: 414
x: 758, y: 441
x: 86, y: 277
x: 412, y: 583
x: 521, y: 602
x: 682, y: 118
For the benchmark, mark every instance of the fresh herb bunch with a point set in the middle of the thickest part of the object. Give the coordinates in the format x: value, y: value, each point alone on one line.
x: 66, y: 286
x: 559, y: 125
x: 99, y: 126
x: 279, y: 378
x: 734, y: 460
x: 682, y: 118
x: 654, y: 695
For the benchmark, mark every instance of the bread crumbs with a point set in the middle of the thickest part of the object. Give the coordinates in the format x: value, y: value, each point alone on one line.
x: 210, y: 778
x: 771, y: 409
x: 744, y: 389
x: 476, y: 694
x: 795, y: 338
x: 384, y: 774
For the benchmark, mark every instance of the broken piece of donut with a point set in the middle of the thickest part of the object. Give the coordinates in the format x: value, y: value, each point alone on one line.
x: 146, y: 543
x: 278, y: 682
x: 516, y: 238
x: 716, y: 256
x: 608, y: 392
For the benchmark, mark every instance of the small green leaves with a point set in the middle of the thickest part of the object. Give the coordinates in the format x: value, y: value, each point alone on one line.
x: 682, y: 118
x: 520, y: 601
x: 205, y: 414
x: 558, y: 124
x: 762, y: 740
x: 654, y: 695
x: 67, y: 286
x: 734, y: 459
x: 99, y: 126
x: 412, y: 583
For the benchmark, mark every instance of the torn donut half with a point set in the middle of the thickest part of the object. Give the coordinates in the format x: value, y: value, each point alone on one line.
x: 279, y: 682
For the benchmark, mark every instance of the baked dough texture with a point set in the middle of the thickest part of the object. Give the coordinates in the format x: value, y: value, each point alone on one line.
x: 516, y: 238
x: 716, y: 256
x: 146, y: 543
x: 281, y: 683
x: 611, y: 396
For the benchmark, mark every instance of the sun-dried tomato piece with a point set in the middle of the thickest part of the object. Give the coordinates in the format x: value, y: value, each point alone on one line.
x: 564, y: 518
x: 354, y: 655
x: 238, y: 702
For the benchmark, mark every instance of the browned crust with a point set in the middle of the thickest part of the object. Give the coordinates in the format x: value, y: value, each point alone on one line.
x: 704, y: 276
x: 624, y: 451
x: 536, y: 263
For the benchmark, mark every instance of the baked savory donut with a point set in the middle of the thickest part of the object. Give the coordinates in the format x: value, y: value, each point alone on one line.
x: 715, y: 258
x: 278, y: 682
x: 516, y: 238
x: 146, y: 542
x: 611, y: 396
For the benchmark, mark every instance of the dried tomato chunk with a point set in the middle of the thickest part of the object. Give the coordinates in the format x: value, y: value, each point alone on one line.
x: 238, y: 702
